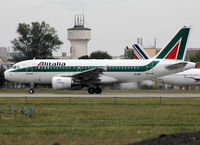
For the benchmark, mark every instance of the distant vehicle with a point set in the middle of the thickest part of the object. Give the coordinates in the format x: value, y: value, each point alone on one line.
x: 77, y: 74
x: 189, y: 77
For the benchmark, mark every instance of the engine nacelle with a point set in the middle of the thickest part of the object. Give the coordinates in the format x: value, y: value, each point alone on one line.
x: 61, y: 83
x: 107, y: 80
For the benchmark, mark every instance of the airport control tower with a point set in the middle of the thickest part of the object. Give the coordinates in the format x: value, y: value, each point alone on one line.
x: 79, y: 37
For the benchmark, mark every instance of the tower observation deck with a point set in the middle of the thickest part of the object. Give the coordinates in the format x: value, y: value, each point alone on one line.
x: 79, y: 37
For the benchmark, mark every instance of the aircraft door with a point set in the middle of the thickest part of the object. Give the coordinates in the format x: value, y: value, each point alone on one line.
x: 31, y: 76
x: 29, y: 70
x: 29, y: 73
x: 79, y: 68
x: 149, y: 69
x: 106, y: 67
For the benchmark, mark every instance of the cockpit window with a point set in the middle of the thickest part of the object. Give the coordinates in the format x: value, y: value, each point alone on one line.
x: 15, y: 67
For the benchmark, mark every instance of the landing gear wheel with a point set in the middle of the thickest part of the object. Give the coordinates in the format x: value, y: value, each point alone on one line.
x: 98, y: 90
x: 91, y: 90
x: 31, y: 91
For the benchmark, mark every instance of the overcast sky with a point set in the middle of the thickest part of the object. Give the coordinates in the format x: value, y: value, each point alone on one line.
x: 114, y: 23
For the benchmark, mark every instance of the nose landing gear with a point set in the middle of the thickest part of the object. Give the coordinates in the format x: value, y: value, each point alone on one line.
x: 31, y: 91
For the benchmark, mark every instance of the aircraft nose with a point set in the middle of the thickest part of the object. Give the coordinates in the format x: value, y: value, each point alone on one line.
x: 7, y: 75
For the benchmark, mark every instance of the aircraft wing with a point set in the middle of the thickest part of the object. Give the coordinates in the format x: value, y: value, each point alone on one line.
x: 177, y: 65
x: 92, y: 74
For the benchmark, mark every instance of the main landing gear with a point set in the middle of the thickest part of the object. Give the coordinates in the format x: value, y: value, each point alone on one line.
x: 96, y: 90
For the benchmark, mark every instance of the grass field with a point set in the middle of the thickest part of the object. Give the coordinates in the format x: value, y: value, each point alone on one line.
x: 97, y: 120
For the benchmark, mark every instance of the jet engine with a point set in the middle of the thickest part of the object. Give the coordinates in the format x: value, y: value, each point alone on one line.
x: 62, y: 83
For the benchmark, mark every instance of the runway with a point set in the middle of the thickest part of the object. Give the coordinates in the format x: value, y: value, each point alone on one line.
x: 102, y: 95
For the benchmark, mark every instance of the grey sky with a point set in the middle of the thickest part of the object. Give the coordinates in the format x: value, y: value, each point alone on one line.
x: 114, y: 23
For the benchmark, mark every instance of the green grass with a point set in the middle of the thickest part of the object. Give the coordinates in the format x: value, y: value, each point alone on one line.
x: 97, y: 120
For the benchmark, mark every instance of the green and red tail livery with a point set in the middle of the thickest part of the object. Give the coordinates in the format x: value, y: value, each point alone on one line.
x: 176, y: 48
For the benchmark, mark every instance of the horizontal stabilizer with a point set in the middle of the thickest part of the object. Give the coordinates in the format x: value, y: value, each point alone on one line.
x: 177, y: 65
x: 197, y: 79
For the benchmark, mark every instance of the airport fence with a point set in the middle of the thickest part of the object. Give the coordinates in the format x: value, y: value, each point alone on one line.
x: 111, y: 100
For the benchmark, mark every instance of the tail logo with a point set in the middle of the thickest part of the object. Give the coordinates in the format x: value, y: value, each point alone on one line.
x: 135, y: 56
x: 139, y: 52
x: 173, y: 53
x: 176, y: 48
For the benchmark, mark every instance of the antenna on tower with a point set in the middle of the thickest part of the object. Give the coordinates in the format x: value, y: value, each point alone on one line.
x: 83, y: 19
x: 83, y: 13
x: 79, y: 20
x: 155, y: 42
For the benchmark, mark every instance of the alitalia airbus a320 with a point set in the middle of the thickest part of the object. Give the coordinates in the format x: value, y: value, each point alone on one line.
x: 77, y: 74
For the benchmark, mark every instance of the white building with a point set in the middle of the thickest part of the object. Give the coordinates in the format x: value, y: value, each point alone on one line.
x: 3, y: 51
x: 79, y: 37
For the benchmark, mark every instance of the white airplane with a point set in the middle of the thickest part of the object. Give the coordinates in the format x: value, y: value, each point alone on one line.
x: 77, y: 74
x: 189, y: 77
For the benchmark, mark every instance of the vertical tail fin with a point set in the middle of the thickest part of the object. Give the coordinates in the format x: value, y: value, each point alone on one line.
x: 176, y: 48
x: 139, y: 52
